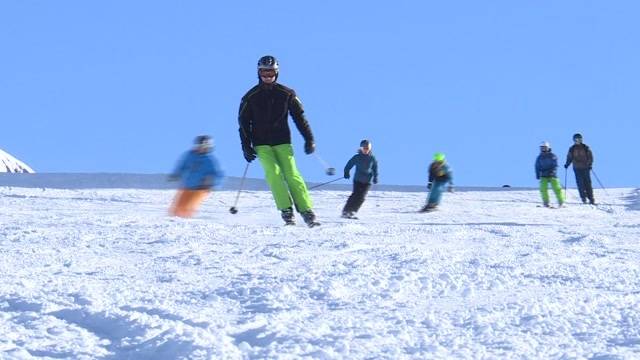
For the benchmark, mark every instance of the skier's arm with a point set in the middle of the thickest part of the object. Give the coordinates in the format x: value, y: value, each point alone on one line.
x: 244, y: 122
x: 569, y: 158
x: 589, y: 158
x: 374, y: 170
x: 350, y: 164
x: 216, y: 172
x: 297, y: 114
x: 537, y: 168
x: 180, y: 167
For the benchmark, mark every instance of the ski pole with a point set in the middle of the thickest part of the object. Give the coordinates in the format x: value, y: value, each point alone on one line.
x: 325, y: 183
x: 327, y: 169
x: 233, y: 209
x: 599, y: 182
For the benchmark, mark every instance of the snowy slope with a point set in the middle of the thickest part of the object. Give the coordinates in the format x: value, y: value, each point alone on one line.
x: 10, y: 164
x: 105, y: 273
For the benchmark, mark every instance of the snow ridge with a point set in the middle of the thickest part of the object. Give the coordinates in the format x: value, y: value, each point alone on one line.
x: 9, y: 164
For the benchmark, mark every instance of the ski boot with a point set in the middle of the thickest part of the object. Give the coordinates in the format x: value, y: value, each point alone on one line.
x: 309, y: 218
x: 287, y: 216
x: 348, y: 215
x: 428, y: 208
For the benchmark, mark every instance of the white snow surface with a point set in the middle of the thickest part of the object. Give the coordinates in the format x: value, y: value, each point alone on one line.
x: 9, y: 164
x: 106, y: 273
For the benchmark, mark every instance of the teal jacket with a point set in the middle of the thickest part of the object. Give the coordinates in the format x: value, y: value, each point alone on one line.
x: 366, y: 168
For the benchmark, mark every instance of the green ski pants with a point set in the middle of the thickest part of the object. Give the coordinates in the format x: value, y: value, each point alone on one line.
x: 283, y: 177
x: 555, y: 185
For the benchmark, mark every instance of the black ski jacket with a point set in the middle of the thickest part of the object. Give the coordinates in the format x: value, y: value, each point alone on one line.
x: 263, y: 116
x: 581, y: 156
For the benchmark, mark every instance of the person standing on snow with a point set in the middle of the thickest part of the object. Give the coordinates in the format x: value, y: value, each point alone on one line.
x: 200, y: 172
x: 580, y: 155
x: 546, y: 165
x: 366, y: 171
x: 439, y: 176
x: 264, y: 132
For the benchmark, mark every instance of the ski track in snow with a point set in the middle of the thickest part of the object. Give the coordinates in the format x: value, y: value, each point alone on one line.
x: 106, y: 274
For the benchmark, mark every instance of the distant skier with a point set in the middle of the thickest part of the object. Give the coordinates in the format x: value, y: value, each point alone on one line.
x: 264, y: 131
x: 546, y: 166
x: 200, y: 172
x: 439, y: 176
x: 582, y: 158
x: 366, y: 171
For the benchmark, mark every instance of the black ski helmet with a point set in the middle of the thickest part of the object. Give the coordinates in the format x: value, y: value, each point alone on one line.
x: 365, y: 143
x: 203, y: 141
x: 577, y: 136
x: 268, y: 62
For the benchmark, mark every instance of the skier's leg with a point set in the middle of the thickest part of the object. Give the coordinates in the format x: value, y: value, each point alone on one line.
x: 348, y: 207
x: 273, y: 175
x: 182, y: 206
x: 361, y: 190
x: 544, y: 190
x: 196, y: 198
x: 174, y: 209
x: 580, y: 184
x: 297, y: 186
x: 588, y: 188
x: 557, y: 189
x: 436, y: 193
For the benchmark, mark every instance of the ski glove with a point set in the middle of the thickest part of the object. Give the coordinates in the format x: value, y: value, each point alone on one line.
x: 309, y: 147
x: 429, y: 185
x: 346, y: 175
x: 566, y: 166
x: 249, y: 153
x: 375, y: 180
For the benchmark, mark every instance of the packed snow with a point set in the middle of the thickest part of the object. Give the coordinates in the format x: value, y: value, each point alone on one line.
x: 105, y: 273
x: 9, y: 164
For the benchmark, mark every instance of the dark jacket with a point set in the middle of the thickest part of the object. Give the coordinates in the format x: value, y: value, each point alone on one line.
x: 580, y: 155
x: 366, y: 167
x: 439, y: 171
x: 546, y: 165
x: 263, y: 116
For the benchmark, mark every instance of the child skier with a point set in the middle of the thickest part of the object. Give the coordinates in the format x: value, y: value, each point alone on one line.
x: 199, y: 172
x: 366, y: 171
x: 439, y: 176
x: 546, y: 165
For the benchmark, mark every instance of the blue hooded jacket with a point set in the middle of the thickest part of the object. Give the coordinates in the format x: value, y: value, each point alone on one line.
x: 366, y: 168
x: 546, y: 165
x: 198, y: 171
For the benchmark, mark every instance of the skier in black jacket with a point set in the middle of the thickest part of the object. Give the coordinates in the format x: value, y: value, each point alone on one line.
x: 264, y: 131
x: 582, y: 158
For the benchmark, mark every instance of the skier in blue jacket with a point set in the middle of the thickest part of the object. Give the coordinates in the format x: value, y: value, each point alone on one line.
x: 366, y: 171
x: 546, y: 166
x: 199, y: 172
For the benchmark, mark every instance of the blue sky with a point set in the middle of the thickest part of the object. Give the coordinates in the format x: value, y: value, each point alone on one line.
x: 125, y: 86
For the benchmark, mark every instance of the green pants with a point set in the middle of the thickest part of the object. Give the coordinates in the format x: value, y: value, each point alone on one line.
x: 283, y: 177
x: 555, y: 185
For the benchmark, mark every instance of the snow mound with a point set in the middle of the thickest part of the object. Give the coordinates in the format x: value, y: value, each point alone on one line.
x: 9, y: 164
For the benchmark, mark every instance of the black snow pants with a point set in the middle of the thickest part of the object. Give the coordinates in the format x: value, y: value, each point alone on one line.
x: 583, y: 180
x: 357, y: 197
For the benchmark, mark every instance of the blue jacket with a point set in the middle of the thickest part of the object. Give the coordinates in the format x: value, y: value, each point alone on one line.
x: 546, y: 165
x: 198, y: 171
x: 366, y: 168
